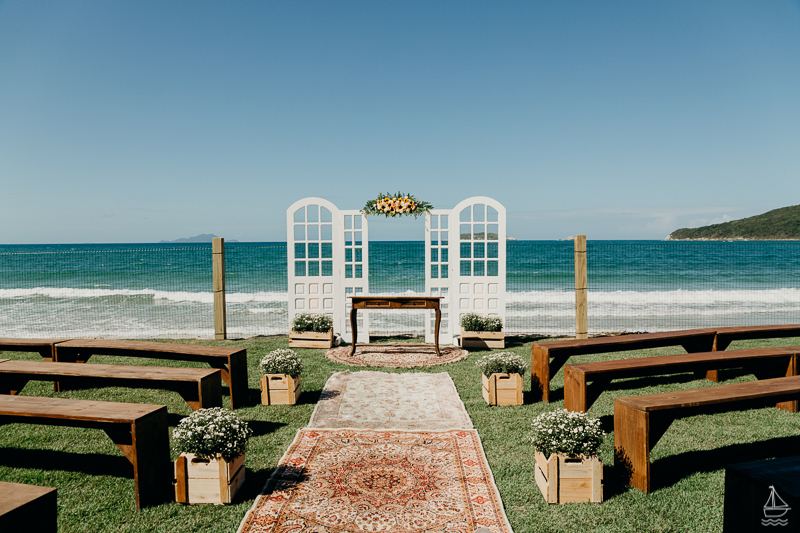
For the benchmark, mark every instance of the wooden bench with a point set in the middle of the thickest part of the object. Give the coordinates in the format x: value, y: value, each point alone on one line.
x: 640, y: 421
x: 692, y: 340
x: 140, y: 431
x: 765, y: 363
x: 542, y: 368
x: 200, y: 387
x: 45, y: 347
x: 28, y: 508
x: 725, y: 336
x: 232, y: 362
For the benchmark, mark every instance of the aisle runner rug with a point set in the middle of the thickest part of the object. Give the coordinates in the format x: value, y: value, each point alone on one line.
x: 396, y: 355
x: 379, y: 400
x: 354, y: 481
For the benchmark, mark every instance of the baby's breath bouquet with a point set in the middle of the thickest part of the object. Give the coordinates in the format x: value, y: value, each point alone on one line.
x: 476, y: 322
x: 567, y: 433
x: 312, y: 322
x: 282, y: 361
x: 208, y: 432
x: 501, y: 363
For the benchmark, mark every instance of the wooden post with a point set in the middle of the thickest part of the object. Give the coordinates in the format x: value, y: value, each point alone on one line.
x: 581, y: 290
x: 218, y: 255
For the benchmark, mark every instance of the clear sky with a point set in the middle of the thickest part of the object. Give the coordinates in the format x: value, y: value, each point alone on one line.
x: 137, y: 121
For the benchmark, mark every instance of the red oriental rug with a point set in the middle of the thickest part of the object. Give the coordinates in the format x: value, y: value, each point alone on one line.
x: 401, y: 355
x: 354, y: 481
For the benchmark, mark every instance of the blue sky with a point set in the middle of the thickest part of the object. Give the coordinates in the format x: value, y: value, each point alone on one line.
x: 141, y: 121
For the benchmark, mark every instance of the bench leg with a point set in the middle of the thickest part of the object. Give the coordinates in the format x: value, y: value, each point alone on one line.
x: 204, y: 394
x: 540, y: 373
x: 575, y: 391
x: 632, y: 446
x: 234, y: 374
x: 146, y: 445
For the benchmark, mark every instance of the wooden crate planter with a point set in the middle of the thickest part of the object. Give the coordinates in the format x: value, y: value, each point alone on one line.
x: 279, y: 389
x: 564, y: 479
x: 483, y: 339
x: 502, y: 389
x: 213, y: 481
x: 311, y: 339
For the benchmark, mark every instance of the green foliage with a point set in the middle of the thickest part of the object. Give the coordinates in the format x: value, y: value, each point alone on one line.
x: 567, y: 432
x: 502, y: 363
x: 778, y: 224
x: 208, y: 432
x: 320, y: 323
x: 476, y: 322
x: 282, y: 361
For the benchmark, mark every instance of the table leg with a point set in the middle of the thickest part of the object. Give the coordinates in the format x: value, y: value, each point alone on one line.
x: 354, y: 329
x: 436, y: 332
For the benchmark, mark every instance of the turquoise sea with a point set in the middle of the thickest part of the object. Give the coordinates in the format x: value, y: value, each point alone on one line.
x: 165, y: 290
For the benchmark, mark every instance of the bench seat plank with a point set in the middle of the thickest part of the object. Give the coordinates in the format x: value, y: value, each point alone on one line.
x: 580, y: 394
x: 640, y: 421
x: 140, y: 431
x: 28, y: 508
x: 200, y: 387
x: 232, y: 362
x: 725, y: 336
x: 45, y: 347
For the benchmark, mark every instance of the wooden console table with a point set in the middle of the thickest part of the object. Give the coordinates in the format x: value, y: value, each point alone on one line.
x: 394, y: 302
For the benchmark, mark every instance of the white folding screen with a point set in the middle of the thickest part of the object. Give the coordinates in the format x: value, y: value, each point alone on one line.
x: 328, y: 260
x: 465, y: 262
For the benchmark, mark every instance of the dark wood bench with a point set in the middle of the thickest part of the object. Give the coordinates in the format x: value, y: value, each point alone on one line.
x: 584, y: 382
x: 200, y: 387
x: 140, y: 431
x: 232, y: 362
x: 548, y: 357
x: 640, y: 421
x: 692, y: 340
x: 44, y: 347
x: 28, y: 508
x: 725, y: 336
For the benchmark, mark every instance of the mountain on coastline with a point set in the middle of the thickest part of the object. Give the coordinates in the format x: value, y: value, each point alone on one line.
x: 776, y: 225
x: 204, y: 237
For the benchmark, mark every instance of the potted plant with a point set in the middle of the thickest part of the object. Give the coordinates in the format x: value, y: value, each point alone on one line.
x: 280, y: 384
x: 311, y: 331
x: 484, y: 332
x: 210, y: 468
x: 502, y: 378
x: 567, y: 466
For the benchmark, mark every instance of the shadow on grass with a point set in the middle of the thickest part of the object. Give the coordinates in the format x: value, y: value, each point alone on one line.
x: 94, y: 464
x: 255, y: 483
x: 669, y: 470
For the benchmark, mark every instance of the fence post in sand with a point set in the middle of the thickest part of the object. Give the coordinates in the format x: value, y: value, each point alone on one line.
x: 218, y: 255
x: 581, y: 290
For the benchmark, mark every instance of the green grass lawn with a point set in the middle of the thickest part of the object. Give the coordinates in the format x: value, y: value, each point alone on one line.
x: 96, y: 493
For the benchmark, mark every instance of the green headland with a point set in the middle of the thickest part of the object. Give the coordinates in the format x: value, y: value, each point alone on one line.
x: 776, y: 225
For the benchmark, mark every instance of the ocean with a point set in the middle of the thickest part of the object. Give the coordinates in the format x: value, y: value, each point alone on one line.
x: 165, y: 290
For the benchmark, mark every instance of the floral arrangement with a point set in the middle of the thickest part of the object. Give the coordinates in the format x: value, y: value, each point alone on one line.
x: 566, y: 432
x: 501, y: 363
x: 476, y: 322
x: 282, y: 361
x: 208, y: 432
x: 396, y: 205
x: 312, y: 322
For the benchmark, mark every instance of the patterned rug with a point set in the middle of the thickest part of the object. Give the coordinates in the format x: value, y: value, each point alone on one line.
x: 379, y: 400
x: 354, y: 481
x: 396, y: 355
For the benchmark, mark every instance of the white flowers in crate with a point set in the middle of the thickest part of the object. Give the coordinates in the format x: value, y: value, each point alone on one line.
x: 208, y: 432
x: 567, y: 432
x: 282, y: 361
x: 501, y: 363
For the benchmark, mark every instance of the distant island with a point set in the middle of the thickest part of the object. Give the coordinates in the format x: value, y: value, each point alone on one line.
x: 777, y: 225
x: 204, y: 237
